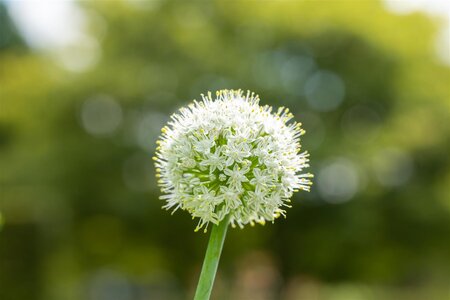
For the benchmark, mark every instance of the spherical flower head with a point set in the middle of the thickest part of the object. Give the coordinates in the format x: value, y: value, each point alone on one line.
x: 231, y: 156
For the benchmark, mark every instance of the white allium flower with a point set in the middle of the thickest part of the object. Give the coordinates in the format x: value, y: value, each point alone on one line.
x: 231, y: 156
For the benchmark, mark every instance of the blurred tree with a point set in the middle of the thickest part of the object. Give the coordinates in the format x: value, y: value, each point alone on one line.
x: 9, y: 37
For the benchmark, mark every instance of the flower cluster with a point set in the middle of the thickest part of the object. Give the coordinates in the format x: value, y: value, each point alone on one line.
x: 231, y: 156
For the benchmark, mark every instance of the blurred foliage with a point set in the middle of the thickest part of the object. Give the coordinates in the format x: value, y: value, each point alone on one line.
x: 82, y: 219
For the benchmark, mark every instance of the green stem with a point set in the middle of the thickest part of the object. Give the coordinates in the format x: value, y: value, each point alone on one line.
x: 211, y: 261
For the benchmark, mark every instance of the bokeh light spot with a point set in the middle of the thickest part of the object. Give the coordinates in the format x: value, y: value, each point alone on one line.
x: 147, y: 129
x: 295, y: 71
x: 79, y: 56
x: 338, y: 181
x: 109, y: 285
x: 101, y: 115
x: 324, y: 91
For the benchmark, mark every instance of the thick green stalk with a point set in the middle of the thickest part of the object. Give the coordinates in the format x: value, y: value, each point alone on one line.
x: 211, y: 261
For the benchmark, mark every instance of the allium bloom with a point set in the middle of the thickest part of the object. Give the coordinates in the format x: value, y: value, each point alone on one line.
x: 229, y: 155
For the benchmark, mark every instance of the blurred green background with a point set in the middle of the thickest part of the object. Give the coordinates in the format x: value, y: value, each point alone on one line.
x: 81, y: 109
